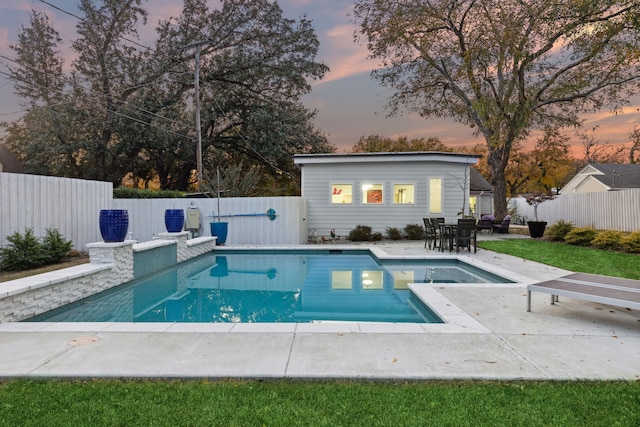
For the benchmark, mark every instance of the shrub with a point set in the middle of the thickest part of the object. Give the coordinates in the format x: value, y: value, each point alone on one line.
x: 414, y: 232
x: 631, y: 242
x: 23, y: 252
x: 580, y: 236
x: 558, y: 231
x: 607, y: 239
x: 362, y: 233
x: 394, y: 233
x: 376, y: 237
x: 55, y: 246
x: 138, y: 193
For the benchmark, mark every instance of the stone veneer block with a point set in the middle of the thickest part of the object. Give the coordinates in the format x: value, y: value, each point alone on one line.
x: 111, y: 264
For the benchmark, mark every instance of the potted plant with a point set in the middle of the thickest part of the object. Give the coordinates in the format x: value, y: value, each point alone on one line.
x: 536, y: 228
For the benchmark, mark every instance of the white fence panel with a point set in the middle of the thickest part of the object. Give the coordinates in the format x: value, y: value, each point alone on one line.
x: 71, y: 206
x: 248, y: 223
x: 605, y: 210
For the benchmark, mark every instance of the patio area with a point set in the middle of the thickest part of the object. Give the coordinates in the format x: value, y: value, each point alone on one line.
x: 567, y: 341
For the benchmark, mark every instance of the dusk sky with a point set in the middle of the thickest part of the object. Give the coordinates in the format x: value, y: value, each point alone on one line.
x: 350, y: 104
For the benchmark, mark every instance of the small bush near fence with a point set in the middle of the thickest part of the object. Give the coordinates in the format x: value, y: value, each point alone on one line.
x: 612, y: 240
x: 394, y: 233
x: 25, y: 252
x: 362, y: 233
x: 414, y: 232
x: 581, y: 236
x: 608, y: 240
x: 558, y: 231
x: 631, y: 242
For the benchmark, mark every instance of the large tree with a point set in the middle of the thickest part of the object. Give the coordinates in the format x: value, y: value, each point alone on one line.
x: 128, y: 109
x: 377, y: 143
x: 546, y: 167
x: 504, y: 67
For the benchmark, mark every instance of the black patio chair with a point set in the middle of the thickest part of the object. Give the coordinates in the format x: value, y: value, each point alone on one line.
x: 466, y: 234
x: 431, y: 233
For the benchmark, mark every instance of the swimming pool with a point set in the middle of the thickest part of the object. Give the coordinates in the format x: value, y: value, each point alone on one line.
x: 275, y: 286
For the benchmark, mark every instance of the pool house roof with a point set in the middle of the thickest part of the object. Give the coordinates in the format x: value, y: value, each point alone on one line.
x: 413, y: 156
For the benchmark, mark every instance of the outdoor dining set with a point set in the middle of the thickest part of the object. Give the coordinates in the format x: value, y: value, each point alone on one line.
x: 443, y: 235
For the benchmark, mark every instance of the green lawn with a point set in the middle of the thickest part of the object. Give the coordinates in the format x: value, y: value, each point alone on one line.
x: 306, y: 403
x: 569, y: 257
x: 342, y: 403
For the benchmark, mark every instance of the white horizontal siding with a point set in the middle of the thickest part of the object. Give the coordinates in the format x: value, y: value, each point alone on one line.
x: 317, y: 180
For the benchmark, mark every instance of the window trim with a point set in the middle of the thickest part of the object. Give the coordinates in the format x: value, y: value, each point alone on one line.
x: 365, y: 195
x: 332, y: 187
x: 393, y: 190
x: 431, y: 180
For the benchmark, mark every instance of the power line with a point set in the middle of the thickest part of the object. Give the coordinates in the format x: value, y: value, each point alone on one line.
x: 143, y: 112
x: 84, y: 20
x: 75, y: 85
x: 151, y: 125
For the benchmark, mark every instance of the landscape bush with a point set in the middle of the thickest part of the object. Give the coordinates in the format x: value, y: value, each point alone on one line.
x: 394, y: 233
x: 608, y: 240
x: 25, y: 251
x: 139, y: 193
x: 558, y: 231
x: 362, y: 233
x: 581, y: 236
x: 376, y: 237
x: 631, y: 242
x: 414, y: 231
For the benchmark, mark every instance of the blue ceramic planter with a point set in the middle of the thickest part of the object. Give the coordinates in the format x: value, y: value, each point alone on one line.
x: 174, y: 220
x: 219, y: 229
x: 114, y: 224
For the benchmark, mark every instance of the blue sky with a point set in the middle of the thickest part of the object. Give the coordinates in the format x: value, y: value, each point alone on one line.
x: 350, y: 104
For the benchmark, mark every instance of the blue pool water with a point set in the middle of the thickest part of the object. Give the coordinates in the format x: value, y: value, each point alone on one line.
x: 268, y: 286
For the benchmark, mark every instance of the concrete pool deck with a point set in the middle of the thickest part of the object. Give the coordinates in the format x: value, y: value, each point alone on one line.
x: 490, y: 336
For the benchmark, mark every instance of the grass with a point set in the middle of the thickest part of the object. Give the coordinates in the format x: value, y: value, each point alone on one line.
x: 569, y: 257
x: 330, y: 403
x: 28, y: 402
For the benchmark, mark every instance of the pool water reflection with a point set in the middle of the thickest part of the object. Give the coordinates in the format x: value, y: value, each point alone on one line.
x: 272, y: 286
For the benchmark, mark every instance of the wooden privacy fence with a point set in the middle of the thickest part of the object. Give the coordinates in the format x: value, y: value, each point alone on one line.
x: 73, y: 207
x: 246, y: 216
x: 605, y: 210
x: 70, y: 205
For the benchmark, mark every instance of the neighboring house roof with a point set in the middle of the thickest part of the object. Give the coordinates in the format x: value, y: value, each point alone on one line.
x: 618, y: 176
x: 604, y: 177
x: 8, y: 161
x: 478, y: 183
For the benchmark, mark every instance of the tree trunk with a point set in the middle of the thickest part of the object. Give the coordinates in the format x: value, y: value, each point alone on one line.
x: 497, y: 161
x: 499, y: 194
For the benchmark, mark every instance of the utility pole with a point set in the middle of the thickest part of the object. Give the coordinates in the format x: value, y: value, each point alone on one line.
x: 198, y: 45
x: 198, y: 125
